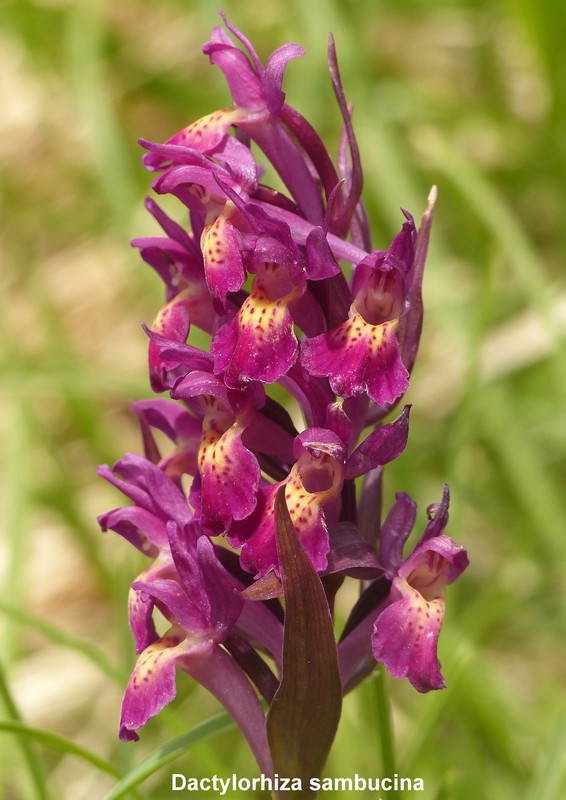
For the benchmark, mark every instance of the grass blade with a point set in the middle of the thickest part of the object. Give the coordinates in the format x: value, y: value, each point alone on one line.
x: 169, y: 752
x: 58, y: 742
x: 549, y: 781
x: 33, y: 761
x: 60, y: 637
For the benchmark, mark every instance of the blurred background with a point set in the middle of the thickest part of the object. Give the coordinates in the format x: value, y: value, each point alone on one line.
x: 467, y: 95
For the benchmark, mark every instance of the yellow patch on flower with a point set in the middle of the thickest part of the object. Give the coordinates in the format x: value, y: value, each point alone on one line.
x: 211, y: 124
x: 219, y: 428
x: 149, y: 661
x: 217, y: 237
x: 312, y: 482
x: 265, y: 309
x: 355, y: 330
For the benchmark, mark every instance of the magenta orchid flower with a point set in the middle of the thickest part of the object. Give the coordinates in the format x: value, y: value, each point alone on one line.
x: 202, y: 608
x: 362, y: 354
x: 406, y: 631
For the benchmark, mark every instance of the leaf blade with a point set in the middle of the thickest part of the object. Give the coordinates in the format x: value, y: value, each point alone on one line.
x: 304, y: 715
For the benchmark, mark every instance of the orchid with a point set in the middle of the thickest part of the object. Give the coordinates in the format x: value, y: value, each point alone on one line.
x: 362, y: 355
x: 250, y: 504
x: 406, y: 631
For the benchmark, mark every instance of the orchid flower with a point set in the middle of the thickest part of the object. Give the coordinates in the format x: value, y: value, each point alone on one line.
x: 406, y: 631
x: 250, y: 488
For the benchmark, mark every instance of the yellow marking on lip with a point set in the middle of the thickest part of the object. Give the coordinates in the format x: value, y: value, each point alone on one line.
x: 218, y: 120
x: 148, y: 662
x: 219, y: 428
x: 425, y: 615
x: 261, y: 311
x: 262, y: 314
x: 356, y: 330
x: 215, y: 240
x: 303, y: 504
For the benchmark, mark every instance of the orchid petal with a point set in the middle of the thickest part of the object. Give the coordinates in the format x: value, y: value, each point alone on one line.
x: 152, y: 684
x: 383, y: 445
x: 274, y: 69
x: 405, y: 637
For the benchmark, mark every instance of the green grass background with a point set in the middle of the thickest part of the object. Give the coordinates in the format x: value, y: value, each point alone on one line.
x: 468, y: 95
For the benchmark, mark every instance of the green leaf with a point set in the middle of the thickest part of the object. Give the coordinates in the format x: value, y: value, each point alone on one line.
x: 304, y: 715
x: 169, y: 752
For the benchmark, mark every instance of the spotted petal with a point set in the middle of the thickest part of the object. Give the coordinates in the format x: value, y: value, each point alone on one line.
x: 259, y: 343
x: 152, y: 684
x: 218, y: 493
x: 358, y: 358
x: 257, y: 532
x: 406, y: 634
x: 206, y: 135
x: 221, y: 248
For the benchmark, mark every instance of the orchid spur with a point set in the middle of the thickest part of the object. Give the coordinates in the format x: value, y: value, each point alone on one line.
x: 251, y: 503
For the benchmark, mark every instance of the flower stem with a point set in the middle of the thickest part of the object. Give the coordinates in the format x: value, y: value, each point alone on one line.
x: 384, y: 724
